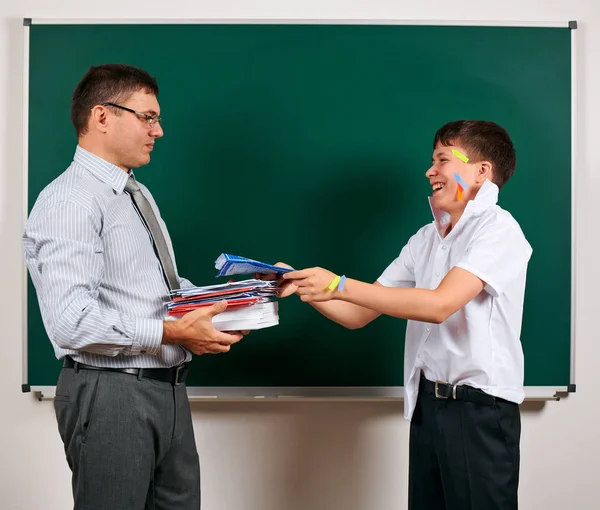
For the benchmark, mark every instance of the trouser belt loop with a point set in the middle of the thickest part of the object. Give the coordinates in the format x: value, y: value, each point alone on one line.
x: 140, y: 374
x: 76, y: 367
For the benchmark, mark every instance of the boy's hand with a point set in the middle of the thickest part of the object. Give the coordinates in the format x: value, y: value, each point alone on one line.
x: 286, y: 288
x: 312, y: 284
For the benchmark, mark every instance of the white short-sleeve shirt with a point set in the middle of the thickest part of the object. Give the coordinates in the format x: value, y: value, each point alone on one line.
x: 480, y: 344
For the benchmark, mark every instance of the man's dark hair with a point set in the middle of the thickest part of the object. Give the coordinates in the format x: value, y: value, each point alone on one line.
x: 484, y: 141
x: 108, y: 83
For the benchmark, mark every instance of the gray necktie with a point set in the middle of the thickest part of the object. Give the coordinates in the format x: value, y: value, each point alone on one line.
x: 160, y: 245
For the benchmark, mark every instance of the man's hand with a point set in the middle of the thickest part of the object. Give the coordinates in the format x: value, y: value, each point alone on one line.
x: 195, y: 331
x: 312, y: 285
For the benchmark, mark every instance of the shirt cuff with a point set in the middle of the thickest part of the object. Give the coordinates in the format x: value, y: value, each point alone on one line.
x: 384, y: 281
x: 402, y: 284
x: 490, y: 287
x: 148, y: 336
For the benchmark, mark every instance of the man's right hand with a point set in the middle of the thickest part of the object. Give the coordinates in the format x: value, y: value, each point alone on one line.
x: 195, y: 331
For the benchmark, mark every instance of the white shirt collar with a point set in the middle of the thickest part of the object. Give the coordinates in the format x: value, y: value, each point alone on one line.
x: 107, y: 172
x: 486, y: 197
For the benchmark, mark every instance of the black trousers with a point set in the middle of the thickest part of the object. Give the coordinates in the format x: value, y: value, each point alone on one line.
x: 129, y: 442
x: 463, y: 455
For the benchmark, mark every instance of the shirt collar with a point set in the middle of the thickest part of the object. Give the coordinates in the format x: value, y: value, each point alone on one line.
x: 108, y: 173
x: 486, y: 197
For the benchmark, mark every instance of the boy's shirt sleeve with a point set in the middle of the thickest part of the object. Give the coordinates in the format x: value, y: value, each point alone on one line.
x: 401, y: 272
x: 498, y: 254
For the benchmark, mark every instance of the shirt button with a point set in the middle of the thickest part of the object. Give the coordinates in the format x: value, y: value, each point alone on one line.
x: 437, y: 274
x: 427, y: 329
x: 444, y: 247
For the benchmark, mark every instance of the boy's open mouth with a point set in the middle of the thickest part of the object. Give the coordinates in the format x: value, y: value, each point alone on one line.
x: 437, y: 186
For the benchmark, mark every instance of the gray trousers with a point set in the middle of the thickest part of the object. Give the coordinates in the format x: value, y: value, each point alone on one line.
x: 129, y: 441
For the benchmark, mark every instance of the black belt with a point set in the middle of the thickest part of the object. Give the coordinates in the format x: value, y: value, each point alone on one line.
x: 175, y: 375
x: 444, y: 390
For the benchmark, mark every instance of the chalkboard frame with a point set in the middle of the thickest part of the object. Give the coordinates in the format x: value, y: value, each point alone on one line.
x: 394, y: 393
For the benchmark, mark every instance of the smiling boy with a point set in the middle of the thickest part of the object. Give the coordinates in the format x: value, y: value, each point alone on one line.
x: 460, y: 282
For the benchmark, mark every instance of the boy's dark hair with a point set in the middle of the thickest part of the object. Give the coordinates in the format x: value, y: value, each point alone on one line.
x: 108, y: 83
x: 483, y: 141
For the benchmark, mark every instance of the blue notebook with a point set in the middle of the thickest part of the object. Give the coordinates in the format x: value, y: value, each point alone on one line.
x: 233, y: 264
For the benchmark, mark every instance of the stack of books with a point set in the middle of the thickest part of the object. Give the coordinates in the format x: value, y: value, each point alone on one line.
x: 250, y: 303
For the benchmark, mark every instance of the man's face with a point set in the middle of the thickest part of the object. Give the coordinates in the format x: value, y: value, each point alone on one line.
x: 130, y: 137
x: 443, y: 183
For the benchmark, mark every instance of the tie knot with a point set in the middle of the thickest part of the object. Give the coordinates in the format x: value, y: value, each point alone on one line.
x: 131, y: 185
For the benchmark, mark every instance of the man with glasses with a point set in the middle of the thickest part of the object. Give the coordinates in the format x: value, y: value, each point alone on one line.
x: 102, y: 263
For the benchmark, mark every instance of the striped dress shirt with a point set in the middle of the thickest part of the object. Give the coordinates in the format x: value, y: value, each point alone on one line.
x: 99, y: 283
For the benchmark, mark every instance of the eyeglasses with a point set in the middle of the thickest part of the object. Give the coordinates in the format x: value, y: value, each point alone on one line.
x: 150, y: 119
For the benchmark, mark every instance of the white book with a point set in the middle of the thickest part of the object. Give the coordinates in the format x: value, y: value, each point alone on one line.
x: 248, y: 312
x: 246, y: 325
x: 258, y: 316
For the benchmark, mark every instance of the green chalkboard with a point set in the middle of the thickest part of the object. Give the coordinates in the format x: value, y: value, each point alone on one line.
x: 308, y: 144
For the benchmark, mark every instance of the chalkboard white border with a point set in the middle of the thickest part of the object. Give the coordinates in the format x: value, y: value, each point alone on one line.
x: 311, y: 393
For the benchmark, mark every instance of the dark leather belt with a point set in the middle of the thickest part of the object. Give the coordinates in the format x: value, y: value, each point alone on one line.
x: 444, y: 390
x: 174, y: 375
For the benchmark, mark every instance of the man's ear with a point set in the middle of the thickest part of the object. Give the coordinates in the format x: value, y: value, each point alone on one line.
x: 98, y: 119
x: 484, y: 171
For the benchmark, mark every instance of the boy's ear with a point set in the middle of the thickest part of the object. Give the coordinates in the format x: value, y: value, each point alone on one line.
x: 484, y: 171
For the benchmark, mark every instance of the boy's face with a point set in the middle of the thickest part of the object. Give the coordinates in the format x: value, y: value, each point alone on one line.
x: 443, y: 183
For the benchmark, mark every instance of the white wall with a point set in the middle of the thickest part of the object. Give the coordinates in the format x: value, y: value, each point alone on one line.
x: 313, y: 456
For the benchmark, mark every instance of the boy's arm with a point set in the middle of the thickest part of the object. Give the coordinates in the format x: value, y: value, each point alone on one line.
x: 348, y: 314
x: 495, y: 257
x: 454, y: 291
x: 354, y: 315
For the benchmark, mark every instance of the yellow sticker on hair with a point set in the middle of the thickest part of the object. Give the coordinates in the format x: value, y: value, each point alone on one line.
x: 460, y: 156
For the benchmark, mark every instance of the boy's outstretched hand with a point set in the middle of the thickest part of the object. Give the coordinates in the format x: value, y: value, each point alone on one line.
x: 312, y: 284
x: 286, y: 288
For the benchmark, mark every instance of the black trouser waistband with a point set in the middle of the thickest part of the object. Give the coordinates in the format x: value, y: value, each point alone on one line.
x: 174, y: 375
x: 443, y: 390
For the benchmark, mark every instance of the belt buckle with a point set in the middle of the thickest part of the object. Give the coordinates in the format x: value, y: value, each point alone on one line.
x: 437, y: 392
x: 177, y: 372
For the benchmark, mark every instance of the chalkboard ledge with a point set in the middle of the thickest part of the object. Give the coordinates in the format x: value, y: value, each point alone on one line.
x: 313, y: 393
